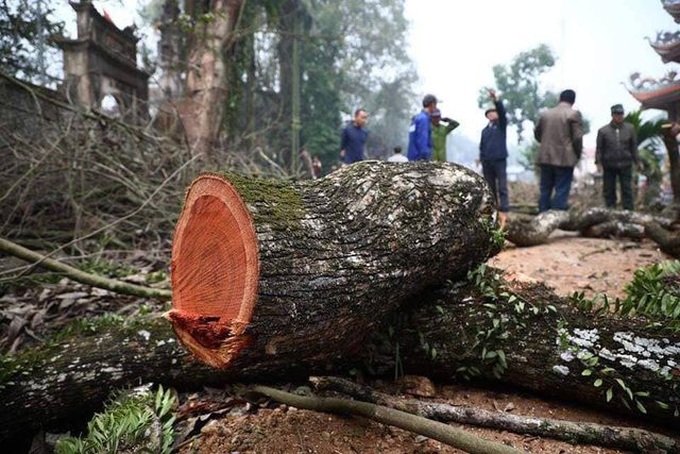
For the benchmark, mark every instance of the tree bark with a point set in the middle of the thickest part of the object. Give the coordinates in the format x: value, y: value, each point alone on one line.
x: 206, y: 88
x: 540, y: 342
x: 296, y: 271
x: 62, y: 383
x: 668, y: 240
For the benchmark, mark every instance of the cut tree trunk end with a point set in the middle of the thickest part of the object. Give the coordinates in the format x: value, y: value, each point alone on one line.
x: 293, y: 270
x: 215, y: 270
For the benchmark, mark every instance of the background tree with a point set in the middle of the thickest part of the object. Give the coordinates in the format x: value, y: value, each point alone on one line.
x: 519, y: 84
x: 650, y: 151
x: 345, y: 59
x: 25, y: 46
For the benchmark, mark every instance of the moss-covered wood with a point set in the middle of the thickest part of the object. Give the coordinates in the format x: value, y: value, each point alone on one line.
x: 335, y: 255
x: 541, y: 342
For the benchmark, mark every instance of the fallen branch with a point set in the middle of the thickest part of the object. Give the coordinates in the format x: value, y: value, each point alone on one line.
x: 525, y: 230
x: 452, y: 436
x: 668, y: 240
x: 631, y: 439
x: 80, y: 276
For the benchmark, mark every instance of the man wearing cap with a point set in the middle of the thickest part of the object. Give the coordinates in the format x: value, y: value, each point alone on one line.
x: 354, y: 137
x: 420, y: 132
x: 439, y: 133
x: 615, y: 154
x: 560, y: 132
x: 493, y: 154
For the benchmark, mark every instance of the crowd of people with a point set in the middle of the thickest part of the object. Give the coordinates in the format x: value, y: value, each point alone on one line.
x: 558, y: 130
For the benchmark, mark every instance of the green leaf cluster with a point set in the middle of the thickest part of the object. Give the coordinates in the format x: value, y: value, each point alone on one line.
x: 138, y: 421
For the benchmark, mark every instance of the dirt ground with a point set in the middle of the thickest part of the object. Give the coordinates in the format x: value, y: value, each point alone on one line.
x: 566, y: 262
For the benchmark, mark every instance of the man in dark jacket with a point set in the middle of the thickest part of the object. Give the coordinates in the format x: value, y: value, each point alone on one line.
x: 615, y: 154
x: 353, y: 138
x: 493, y: 154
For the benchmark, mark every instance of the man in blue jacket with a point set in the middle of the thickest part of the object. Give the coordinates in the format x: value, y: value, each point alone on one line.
x: 493, y: 154
x: 420, y: 133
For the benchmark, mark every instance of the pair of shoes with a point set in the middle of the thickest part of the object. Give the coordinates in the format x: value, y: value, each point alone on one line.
x: 502, y: 219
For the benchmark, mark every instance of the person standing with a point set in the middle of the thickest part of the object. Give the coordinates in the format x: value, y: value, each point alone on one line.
x: 559, y: 131
x: 493, y: 154
x: 420, y: 132
x: 615, y: 154
x: 439, y: 133
x: 397, y: 156
x: 317, y: 166
x: 354, y: 137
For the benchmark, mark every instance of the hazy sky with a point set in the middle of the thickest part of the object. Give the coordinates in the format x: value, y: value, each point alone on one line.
x: 599, y: 43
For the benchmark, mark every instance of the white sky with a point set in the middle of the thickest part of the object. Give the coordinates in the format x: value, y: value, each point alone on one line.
x: 599, y: 43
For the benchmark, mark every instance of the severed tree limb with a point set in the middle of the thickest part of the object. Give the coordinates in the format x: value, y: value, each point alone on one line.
x: 525, y: 230
x: 77, y: 275
x: 452, y: 436
x: 628, y: 438
x: 668, y: 240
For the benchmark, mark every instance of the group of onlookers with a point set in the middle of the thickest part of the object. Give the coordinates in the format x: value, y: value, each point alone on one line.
x: 558, y: 130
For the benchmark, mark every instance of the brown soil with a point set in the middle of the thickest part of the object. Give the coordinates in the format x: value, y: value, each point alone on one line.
x: 565, y: 262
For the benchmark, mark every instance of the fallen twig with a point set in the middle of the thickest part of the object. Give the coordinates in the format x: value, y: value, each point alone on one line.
x: 628, y: 438
x: 81, y: 276
x: 452, y: 436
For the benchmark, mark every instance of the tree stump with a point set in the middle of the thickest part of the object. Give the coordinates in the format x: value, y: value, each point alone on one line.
x: 292, y: 272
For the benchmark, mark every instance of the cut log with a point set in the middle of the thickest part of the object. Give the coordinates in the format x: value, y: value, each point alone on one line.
x: 296, y: 271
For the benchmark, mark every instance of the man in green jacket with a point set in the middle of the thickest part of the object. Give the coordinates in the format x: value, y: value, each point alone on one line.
x: 615, y: 155
x: 439, y: 133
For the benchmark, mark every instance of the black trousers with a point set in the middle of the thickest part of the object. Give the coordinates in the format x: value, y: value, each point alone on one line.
x: 624, y: 175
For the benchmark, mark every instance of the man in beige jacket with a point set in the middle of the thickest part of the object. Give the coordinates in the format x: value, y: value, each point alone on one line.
x: 560, y: 133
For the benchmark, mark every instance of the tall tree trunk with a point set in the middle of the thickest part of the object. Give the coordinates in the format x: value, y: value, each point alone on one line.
x: 671, y: 143
x: 266, y: 268
x: 206, y: 84
x: 286, y: 28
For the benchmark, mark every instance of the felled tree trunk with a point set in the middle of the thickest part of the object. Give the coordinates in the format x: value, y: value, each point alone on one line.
x: 444, y: 336
x: 524, y: 230
x: 542, y: 343
x: 284, y: 272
